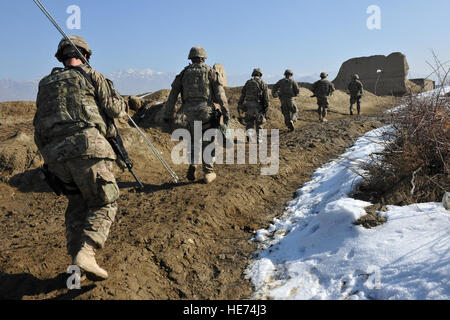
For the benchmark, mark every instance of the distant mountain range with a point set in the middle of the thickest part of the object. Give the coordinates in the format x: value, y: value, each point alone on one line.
x: 12, y: 90
x: 133, y: 82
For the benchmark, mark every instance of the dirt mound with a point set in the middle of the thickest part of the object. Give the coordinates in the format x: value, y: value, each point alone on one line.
x: 173, y: 241
x: 151, y: 114
x: 17, y: 154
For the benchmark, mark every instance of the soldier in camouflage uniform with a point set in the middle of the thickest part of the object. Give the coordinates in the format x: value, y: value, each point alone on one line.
x: 287, y: 88
x: 254, y: 101
x: 355, y: 87
x: 200, y: 87
x: 322, y: 89
x: 76, y: 106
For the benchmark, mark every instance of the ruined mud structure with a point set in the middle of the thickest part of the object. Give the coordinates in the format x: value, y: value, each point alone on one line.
x: 424, y: 84
x: 381, y: 75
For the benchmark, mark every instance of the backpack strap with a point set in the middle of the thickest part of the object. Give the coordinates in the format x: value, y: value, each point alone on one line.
x: 84, y: 74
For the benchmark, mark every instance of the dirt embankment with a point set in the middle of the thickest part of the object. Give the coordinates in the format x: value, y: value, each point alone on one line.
x: 173, y: 241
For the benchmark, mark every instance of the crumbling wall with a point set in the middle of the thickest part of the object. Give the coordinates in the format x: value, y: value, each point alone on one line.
x: 381, y: 75
x: 425, y: 84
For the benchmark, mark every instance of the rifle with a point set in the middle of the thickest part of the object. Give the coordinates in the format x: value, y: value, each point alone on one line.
x: 117, y: 138
x: 118, y: 147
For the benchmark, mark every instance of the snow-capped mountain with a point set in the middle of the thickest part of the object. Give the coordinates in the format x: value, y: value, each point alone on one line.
x: 133, y: 82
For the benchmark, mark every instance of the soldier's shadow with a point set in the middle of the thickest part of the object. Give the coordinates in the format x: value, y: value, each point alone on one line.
x: 18, y: 286
x: 152, y: 188
x: 29, y: 181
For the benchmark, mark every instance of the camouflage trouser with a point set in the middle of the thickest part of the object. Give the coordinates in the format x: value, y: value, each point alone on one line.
x: 254, y: 118
x: 322, y: 102
x: 357, y: 100
x: 289, y: 110
x: 203, y: 112
x: 91, y: 213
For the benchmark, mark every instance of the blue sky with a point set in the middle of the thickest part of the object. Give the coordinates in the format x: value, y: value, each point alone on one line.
x: 306, y: 36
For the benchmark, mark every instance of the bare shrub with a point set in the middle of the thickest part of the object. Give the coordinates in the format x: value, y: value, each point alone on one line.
x: 414, y: 166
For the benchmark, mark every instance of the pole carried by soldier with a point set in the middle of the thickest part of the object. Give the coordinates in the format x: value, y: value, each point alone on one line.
x: 118, y: 141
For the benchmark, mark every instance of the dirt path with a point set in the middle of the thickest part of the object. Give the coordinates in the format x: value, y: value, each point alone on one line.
x: 183, y: 241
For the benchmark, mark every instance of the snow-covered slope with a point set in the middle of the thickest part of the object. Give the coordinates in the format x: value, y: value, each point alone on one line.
x: 315, y: 252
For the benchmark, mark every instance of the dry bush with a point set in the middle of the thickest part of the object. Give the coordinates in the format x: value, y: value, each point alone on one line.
x: 414, y: 166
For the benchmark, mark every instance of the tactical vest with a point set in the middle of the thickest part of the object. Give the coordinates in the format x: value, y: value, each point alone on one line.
x: 196, y: 84
x: 355, y: 88
x: 286, y: 89
x: 322, y: 88
x: 253, y: 90
x: 66, y: 104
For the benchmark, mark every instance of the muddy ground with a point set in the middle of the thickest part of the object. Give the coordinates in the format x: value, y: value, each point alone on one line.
x: 173, y: 241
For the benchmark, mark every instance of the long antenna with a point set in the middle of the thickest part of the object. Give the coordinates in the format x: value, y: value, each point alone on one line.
x: 49, y: 16
x: 155, y: 151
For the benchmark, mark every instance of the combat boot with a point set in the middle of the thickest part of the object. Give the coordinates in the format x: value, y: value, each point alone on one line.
x: 210, y: 177
x: 291, y: 126
x: 85, y: 259
x: 191, y: 173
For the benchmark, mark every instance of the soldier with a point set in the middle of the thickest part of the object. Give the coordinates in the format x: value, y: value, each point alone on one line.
x: 200, y: 87
x: 287, y: 88
x: 322, y: 89
x: 355, y: 88
x: 254, y: 101
x: 76, y: 107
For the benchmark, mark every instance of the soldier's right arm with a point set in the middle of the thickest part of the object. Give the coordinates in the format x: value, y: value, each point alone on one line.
x: 332, y: 88
x: 295, y: 87
x: 173, y: 97
x: 219, y: 94
x: 266, y: 96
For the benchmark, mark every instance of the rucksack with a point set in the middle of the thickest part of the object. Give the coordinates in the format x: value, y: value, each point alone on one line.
x: 196, y: 84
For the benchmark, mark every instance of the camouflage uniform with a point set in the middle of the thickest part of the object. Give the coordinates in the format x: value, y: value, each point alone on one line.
x: 287, y: 89
x: 200, y: 87
x: 72, y: 122
x: 356, y: 91
x: 322, y: 89
x: 255, y: 102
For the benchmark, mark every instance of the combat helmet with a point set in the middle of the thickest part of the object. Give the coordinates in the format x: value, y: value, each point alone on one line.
x: 323, y: 75
x: 197, y: 52
x: 257, y: 72
x: 65, y: 47
x: 355, y: 76
x: 288, y: 72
